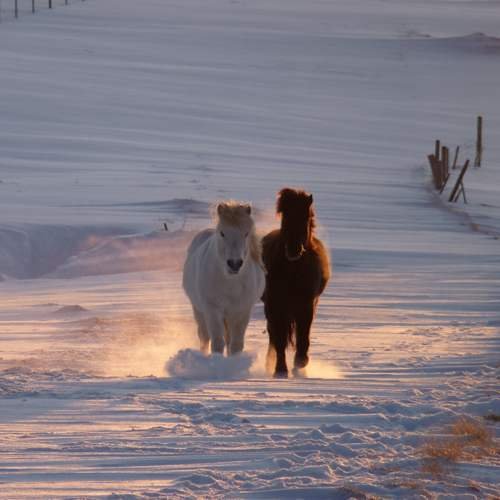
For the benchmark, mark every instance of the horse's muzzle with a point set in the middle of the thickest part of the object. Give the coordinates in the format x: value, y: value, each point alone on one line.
x: 234, y: 265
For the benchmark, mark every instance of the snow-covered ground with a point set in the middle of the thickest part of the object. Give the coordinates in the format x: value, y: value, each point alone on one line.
x: 120, y: 115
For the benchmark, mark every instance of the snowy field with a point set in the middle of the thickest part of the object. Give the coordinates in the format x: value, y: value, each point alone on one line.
x: 120, y: 115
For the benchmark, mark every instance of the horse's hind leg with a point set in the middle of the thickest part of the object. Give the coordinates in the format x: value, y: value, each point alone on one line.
x: 270, y: 359
x: 303, y: 322
x: 202, y: 331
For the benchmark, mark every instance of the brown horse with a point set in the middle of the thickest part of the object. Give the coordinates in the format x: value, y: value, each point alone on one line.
x: 298, y: 270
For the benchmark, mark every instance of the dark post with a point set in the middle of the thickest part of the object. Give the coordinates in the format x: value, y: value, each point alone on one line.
x: 446, y: 163
x: 16, y: 10
x: 437, y: 149
x: 65, y: 2
x: 50, y: 4
x: 459, y: 183
x: 479, y: 142
x: 438, y: 174
x: 434, y: 168
x: 445, y: 168
x: 33, y: 6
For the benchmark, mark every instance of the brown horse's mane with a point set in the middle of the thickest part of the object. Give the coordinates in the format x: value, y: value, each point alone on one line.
x: 289, y: 197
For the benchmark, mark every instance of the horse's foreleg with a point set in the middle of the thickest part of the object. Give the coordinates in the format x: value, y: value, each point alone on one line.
x: 303, y: 322
x: 237, y: 327
x: 278, y: 329
x: 202, y: 331
x: 215, y: 327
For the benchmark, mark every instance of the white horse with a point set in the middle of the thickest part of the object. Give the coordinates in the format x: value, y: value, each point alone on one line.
x: 224, y: 277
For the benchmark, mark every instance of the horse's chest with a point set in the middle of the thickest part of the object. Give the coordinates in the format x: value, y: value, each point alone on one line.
x: 295, y: 278
x: 236, y: 292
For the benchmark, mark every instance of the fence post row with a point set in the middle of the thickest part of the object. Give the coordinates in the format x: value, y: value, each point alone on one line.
x: 16, y: 7
x: 441, y: 171
x: 440, y: 164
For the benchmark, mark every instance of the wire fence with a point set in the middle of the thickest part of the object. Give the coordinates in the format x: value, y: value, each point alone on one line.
x: 13, y: 9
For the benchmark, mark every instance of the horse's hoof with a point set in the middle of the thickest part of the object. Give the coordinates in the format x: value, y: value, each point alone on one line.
x: 299, y: 372
x: 301, y: 362
x: 281, y: 374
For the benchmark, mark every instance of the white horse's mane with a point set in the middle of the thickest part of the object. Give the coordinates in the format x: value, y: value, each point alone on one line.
x: 239, y: 214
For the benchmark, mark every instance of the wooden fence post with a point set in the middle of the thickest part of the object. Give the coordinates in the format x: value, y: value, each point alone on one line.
x: 437, y: 149
x: 445, y: 168
x: 440, y: 174
x: 50, y: 4
x: 479, y: 141
x: 445, y: 160
x: 459, y: 184
x: 435, y: 167
x: 16, y: 10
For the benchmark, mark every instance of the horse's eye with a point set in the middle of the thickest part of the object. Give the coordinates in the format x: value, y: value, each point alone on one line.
x: 222, y: 234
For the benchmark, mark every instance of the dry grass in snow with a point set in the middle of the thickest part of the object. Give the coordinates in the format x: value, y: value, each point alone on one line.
x: 468, y: 439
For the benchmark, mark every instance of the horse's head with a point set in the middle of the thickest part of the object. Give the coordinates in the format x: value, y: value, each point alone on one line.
x: 235, y: 235
x: 297, y: 221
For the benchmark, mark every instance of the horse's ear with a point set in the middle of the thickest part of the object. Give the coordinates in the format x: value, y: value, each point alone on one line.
x: 248, y: 208
x: 310, y: 199
x: 220, y: 209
